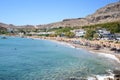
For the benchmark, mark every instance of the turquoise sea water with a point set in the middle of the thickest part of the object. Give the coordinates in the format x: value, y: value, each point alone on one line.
x: 27, y: 59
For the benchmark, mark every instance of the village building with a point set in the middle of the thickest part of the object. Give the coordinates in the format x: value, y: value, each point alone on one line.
x: 40, y: 33
x: 117, y: 35
x: 79, y: 32
x: 105, y: 34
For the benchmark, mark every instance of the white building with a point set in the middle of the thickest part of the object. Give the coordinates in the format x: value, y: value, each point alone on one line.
x: 117, y: 35
x: 105, y: 35
x: 79, y: 32
x: 40, y: 33
x: 103, y: 31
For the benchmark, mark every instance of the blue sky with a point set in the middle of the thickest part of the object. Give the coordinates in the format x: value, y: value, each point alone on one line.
x: 22, y: 12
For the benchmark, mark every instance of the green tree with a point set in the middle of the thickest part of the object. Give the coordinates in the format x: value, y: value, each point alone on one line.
x: 52, y: 35
x: 113, y: 27
x: 58, y: 33
x: 69, y: 34
x: 3, y: 32
x: 96, y: 36
x: 89, y: 34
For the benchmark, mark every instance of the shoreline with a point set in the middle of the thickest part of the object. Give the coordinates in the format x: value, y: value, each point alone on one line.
x: 98, y: 52
x: 102, y: 52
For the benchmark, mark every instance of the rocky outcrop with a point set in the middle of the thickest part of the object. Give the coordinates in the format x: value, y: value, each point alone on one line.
x: 108, y: 13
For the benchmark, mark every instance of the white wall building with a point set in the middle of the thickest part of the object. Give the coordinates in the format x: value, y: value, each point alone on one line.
x: 79, y: 32
x: 40, y: 33
x: 103, y: 31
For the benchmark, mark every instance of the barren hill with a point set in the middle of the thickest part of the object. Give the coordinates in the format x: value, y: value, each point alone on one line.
x: 109, y: 13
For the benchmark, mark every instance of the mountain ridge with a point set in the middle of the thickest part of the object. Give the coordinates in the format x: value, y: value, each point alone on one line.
x: 108, y: 13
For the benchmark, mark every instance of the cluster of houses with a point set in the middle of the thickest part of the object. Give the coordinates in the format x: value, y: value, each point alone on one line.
x: 102, y: 33
x: 79, y: 32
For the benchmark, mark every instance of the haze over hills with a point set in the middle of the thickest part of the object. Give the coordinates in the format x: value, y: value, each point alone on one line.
x: 109, y: 13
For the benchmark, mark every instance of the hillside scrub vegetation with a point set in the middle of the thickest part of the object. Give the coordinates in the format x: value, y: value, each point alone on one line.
x: 113, y: 27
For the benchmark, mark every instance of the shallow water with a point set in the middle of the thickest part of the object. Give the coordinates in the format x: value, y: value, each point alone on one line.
x: 27, y: 59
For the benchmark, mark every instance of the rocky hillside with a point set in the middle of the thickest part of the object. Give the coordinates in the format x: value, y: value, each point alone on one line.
x: 109, y: 13
x: 2, y: 29
x: 3, y: 25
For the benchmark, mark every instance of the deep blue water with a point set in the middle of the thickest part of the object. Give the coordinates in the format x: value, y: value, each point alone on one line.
x: 27, y: 59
